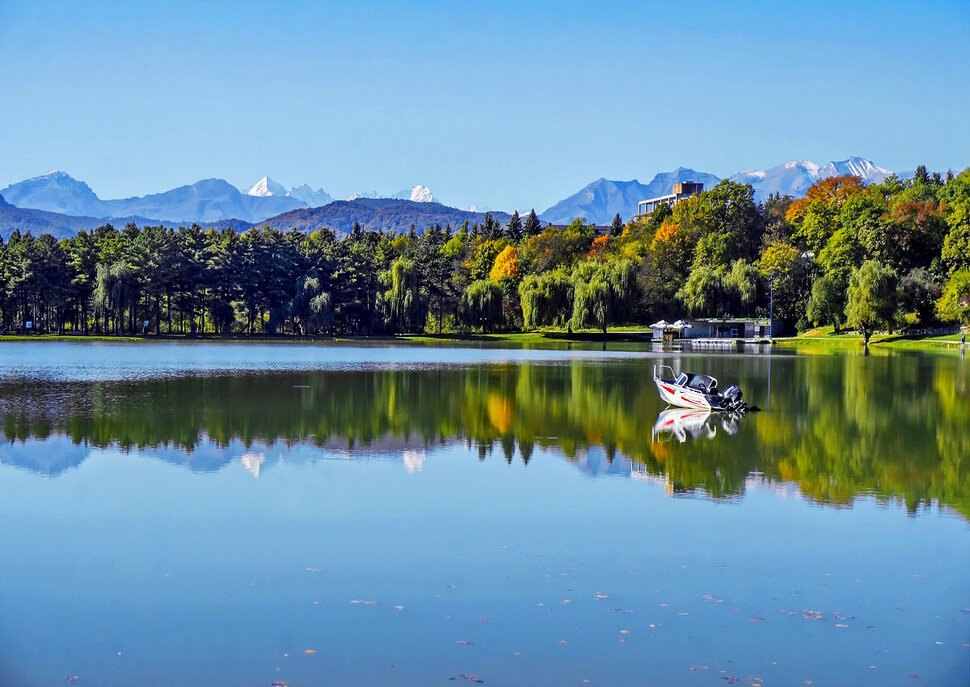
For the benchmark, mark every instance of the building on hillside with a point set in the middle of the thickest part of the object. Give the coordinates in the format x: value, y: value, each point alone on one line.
x: 682, y: 191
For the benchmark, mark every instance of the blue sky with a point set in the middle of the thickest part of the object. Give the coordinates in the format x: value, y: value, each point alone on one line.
x: 501, y: 104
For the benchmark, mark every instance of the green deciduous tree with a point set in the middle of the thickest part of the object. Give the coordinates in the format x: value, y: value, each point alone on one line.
x: 954, y: 304
x: 872, y: 298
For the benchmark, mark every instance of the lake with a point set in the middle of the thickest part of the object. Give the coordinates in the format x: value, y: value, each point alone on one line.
x: 250, y: 514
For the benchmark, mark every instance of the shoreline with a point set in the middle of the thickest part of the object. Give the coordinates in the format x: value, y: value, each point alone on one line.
x: 814, y: 339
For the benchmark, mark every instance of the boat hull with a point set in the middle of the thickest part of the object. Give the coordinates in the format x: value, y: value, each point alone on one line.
x: 681, y: 397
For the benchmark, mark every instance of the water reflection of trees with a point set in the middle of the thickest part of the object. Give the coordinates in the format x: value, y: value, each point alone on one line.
x: 839, y: 426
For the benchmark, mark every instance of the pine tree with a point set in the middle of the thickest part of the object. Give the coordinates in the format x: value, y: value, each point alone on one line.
x: 532, y: 225
x: 491, y: 229
x: 616, y: 228
x: 513, y: 230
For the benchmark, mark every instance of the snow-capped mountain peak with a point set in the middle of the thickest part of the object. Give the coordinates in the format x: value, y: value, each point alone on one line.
x: 416, y: 194
x: 855, y: 166
x: 422, y: 194
x: 313, y: 199
x: 266, y: 187
x: 794, y: 178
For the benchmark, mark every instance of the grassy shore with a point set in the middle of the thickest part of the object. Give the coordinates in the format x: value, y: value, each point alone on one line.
x: 826, y: 337
x: 819, y: 339
x: 624, y: 334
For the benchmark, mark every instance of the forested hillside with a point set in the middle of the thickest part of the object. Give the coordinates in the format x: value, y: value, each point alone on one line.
x: 869, y: 257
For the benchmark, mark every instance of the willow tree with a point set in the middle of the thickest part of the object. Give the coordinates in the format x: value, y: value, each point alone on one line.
x: 402, y: 303
x: 481, y: 305
x: 547, y: 299
x: 872, y: 298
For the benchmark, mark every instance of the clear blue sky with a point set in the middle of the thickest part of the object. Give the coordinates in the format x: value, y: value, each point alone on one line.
x: 503, y: 104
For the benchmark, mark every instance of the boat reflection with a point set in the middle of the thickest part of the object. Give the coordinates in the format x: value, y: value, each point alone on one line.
x: 685, y: 424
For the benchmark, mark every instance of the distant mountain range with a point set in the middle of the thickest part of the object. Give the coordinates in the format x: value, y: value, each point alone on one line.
x: 599, y: 201
x: 56, y: 224
x: 390, y: 214
x: 57, y: 203
x: 795, y: 178
x: 209, y: 200
x: 266, y: 187
x: 204, y: 201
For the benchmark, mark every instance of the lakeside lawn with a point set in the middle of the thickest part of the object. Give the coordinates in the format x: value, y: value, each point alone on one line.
x: 822, y: 337
x: 826, y: 336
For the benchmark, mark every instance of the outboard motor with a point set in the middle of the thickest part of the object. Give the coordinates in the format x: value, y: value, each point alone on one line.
x: 732, y: 399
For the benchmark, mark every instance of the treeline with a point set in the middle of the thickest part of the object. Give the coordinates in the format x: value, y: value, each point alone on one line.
x: 871, y: 257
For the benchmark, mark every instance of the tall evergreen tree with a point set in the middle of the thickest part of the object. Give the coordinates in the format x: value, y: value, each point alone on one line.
x: 616, y: 228
x: 532, y: 225
x: 513, y: 230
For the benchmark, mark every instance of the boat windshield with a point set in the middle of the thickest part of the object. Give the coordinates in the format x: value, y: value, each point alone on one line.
x: 704, y: 383
x: 682, y: 379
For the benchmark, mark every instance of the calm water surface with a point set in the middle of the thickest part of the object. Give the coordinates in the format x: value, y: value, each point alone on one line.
x: 216, y: 514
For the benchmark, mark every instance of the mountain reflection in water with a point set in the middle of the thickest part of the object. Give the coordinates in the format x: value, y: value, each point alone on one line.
x: 896, y: 427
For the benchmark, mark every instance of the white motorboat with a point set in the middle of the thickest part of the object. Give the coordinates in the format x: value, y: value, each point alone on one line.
x: 697, y: 391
